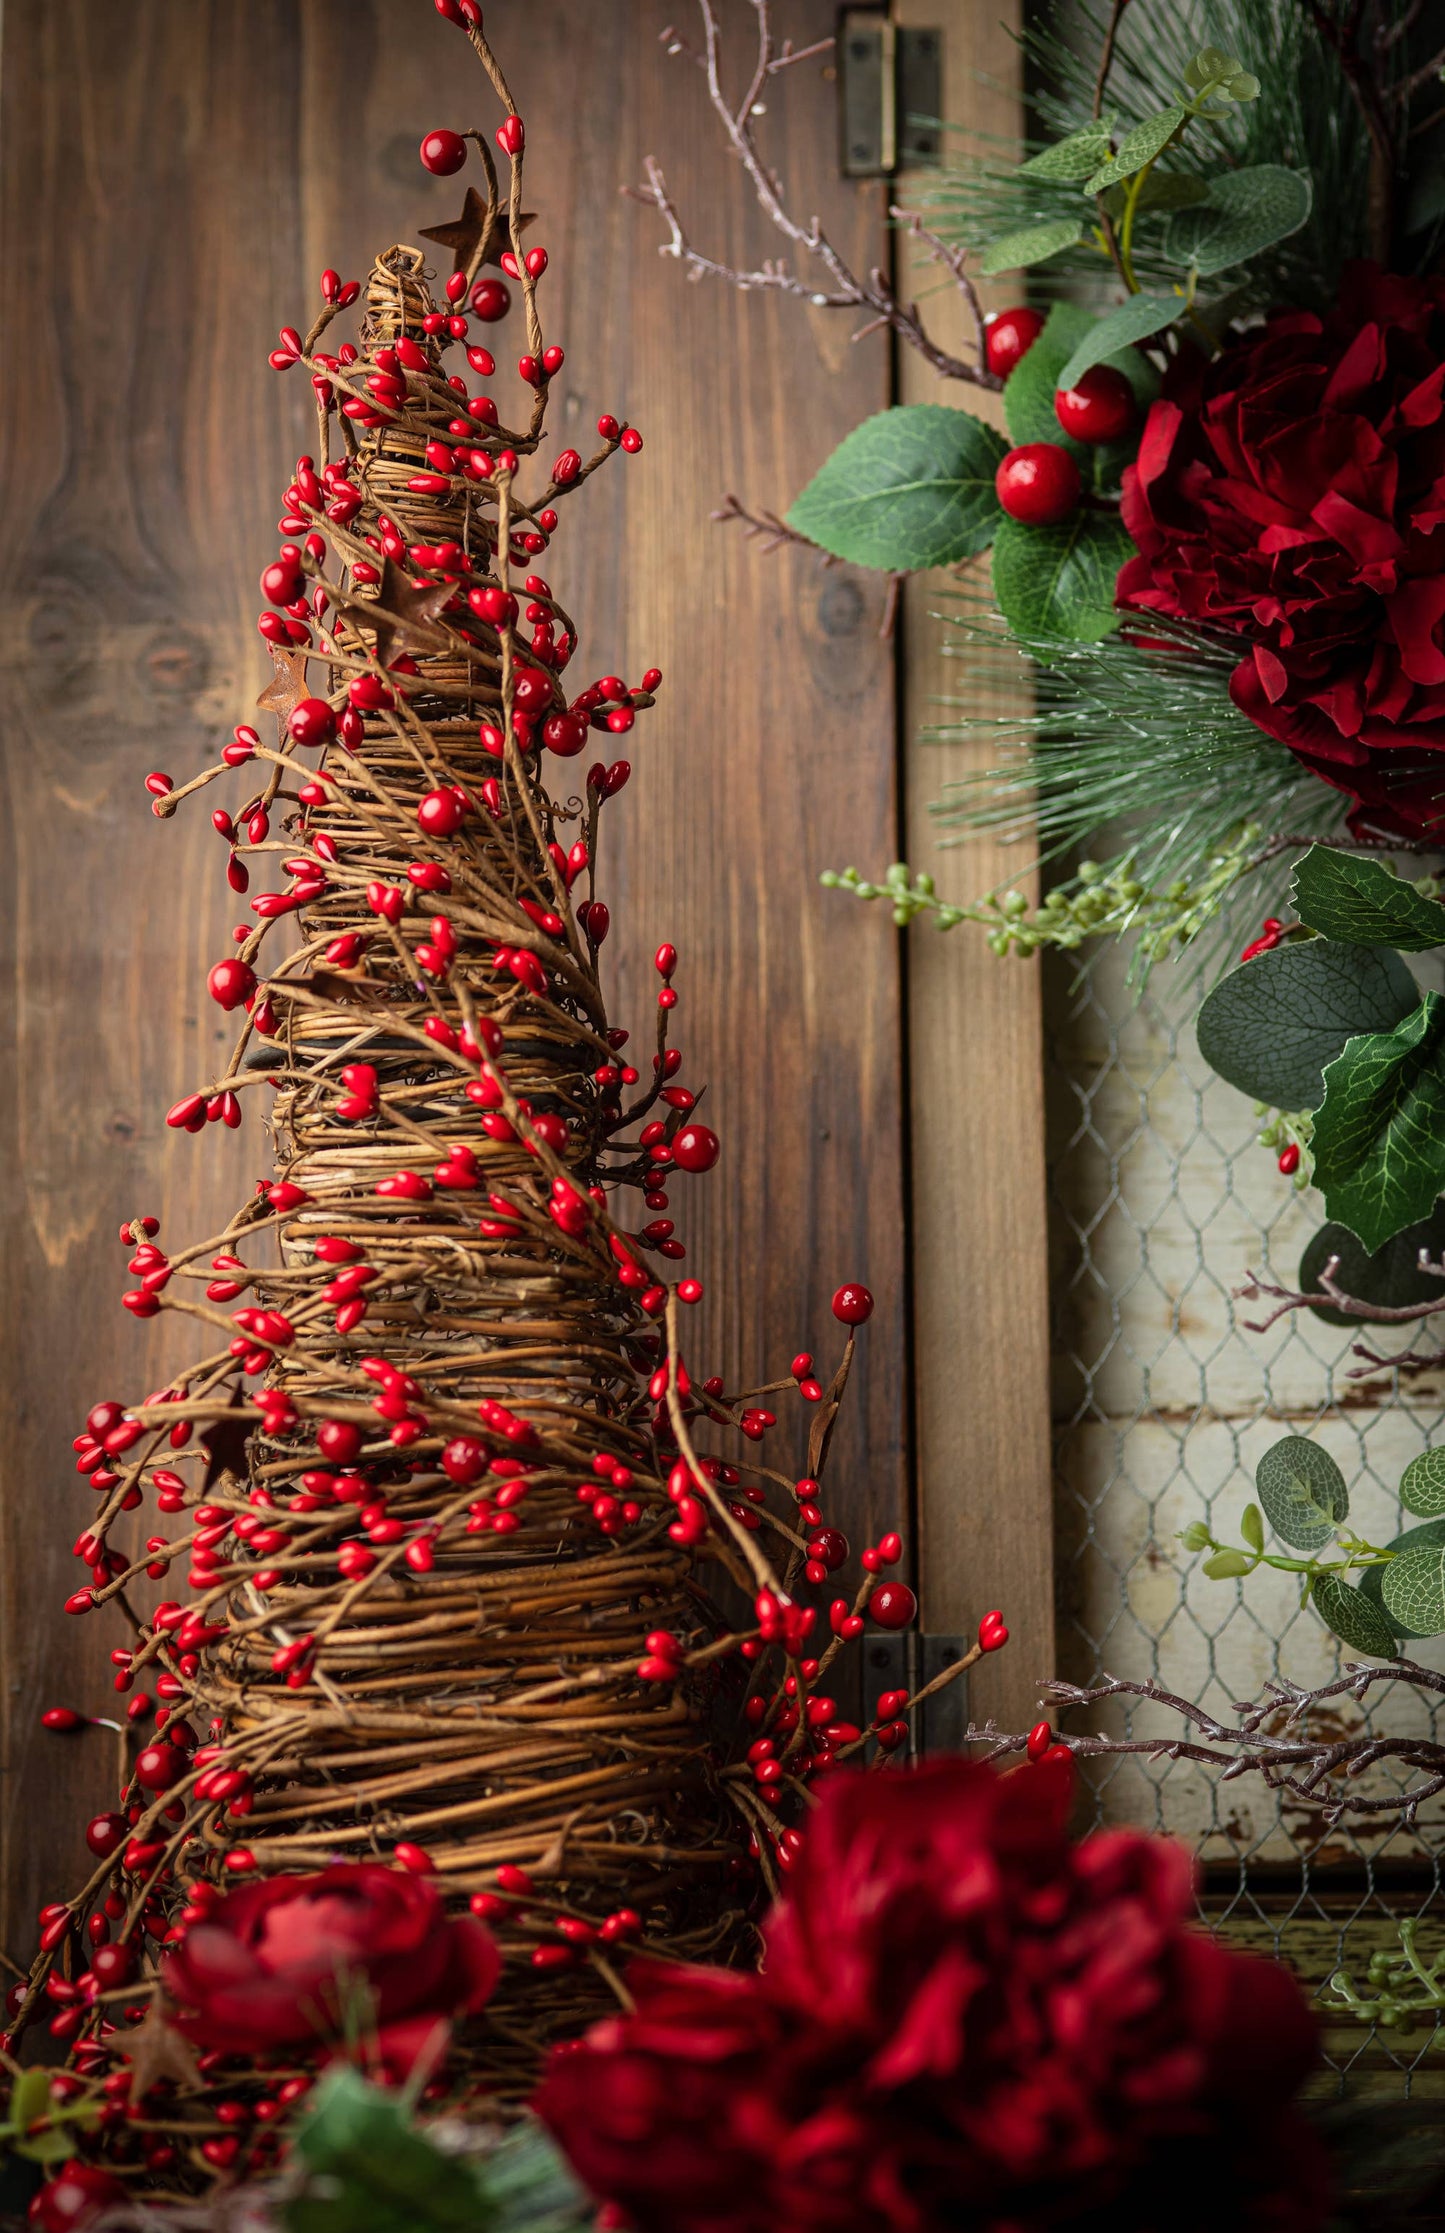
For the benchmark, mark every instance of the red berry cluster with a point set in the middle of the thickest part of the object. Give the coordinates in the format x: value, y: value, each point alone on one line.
x: 1039, y: 482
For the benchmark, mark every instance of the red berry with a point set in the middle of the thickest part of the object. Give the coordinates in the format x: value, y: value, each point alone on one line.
x: 565, y: 734
x: 892, y: 1605
x: 1289, y: 1160
x: 853, y: 1305
x: 1097, y: 408
x: 695, y: 1148
x: 231, y: 982
x: 339, y: 1441
x: 106, y: 1835
x: 490, y: 301
x: 440, y: 813
x: 312, y: 722
x: 113, y: 1965
x: 511, y: 138
x: 1038, y: 484
x: 77, y: 2193
x: 1010, y: 336
x: 443, y: 152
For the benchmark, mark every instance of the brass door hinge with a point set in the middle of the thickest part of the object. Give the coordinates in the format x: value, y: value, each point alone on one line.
x: 890, y: 81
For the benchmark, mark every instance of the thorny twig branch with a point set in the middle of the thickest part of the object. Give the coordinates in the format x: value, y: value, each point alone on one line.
x: 1331, y: 1296
x: 775, y: 532
x: 1287, y: 1755
x: 873, y: 294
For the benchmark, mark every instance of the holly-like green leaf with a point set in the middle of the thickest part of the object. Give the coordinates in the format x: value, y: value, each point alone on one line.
x: 1354, y: 1618
x: 1246, y: 211
x: 1379, y: 1133
x: 1030, y: 244
x: 371, y: 2171
x: 1429, y: 1536
x: 1352, y: 897
x: 1271, y: 1026
x: 1422, y: 1485
x: 1079, y: 156
x: 909, y: 487
x: 1303, y: 1492
x: 1059, y: 581
x: 1412, y: 1588
x: 1127, y: 323
x: 1138, y: 148
x: 1391, y: 1278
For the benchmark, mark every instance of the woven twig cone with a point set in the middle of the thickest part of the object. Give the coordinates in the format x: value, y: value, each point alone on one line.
x: 439, y: 1503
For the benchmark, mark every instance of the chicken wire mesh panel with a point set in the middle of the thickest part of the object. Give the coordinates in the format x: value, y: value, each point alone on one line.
x: 1161, y: 1202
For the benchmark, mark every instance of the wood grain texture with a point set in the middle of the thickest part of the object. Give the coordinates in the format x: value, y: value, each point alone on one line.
x: 981, y: 1343
x: 176, y: 174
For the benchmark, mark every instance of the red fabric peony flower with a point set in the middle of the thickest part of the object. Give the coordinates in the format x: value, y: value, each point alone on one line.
x: 963, y: 2021
x: 273, y: 1964
x: 1293, y: 491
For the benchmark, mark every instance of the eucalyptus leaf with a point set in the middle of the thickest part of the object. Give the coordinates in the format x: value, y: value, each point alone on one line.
x: 1161, y: 191
x: 1353, y: 897
x: 1412, y: 1587
x: 1379, y: 1132
x: 1354, y: 1618
x: 1251, y: 1526
x: 1271, y: 1026
x: 910, y: 487
x: 371, y: 2171
x: 1128, y: 322
x: 1246, y: 211
x: 1030, y: 244
x: 1422, y: 1485
x: 1430, y: 1535
x: 1148, y: 139
x: 1391, y: 1278
x: 1079, y: 156
x: 1303, y: 1492
x: 1060, y: 581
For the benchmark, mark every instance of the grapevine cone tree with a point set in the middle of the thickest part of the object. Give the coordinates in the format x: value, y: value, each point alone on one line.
x: 440, y: 1489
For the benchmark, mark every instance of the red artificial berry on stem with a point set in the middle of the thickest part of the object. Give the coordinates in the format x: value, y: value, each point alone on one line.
x: 696, y: 1148
x: 1040, y: 1737
x: 1289, y: 1160
x: 440, y: 813
x: 1010, y: 336
x: 490, y: 301
x: 511, y: 138
x: 853, y: 1304
x: 158, y: 1767
x: 1097, y: 408
x: 63, y: 1719
x: 231, y: 982
x: 892, y: 1605
x: 443, y: 152
x: 312, y: 722
x: 77, y: 2193
x: 1038, y: 484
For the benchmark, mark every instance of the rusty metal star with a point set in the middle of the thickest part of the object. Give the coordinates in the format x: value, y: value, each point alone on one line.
x: 287, y: 687
x: 466, y: 234
x: 156, y: 2050
x: 402, y: 613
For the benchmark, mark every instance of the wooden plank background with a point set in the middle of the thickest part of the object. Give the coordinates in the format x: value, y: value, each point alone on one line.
x: 176, y: 175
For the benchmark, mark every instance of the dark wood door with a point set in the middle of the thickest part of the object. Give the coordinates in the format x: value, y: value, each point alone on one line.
x: 177, y: 173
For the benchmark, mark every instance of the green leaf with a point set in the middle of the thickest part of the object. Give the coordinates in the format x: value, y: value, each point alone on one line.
x: 1031, y: 244
x: 1251, y: 1527
x: 910, y: 487
x: 372, y: 2171
x: 1350, y: 896
x: 1208, y: 67
x: 1227, y: 1566
x: 1030, y: 390
x: 1128, y: 322
x: 1379, y: 1133
x: 1422, y: 1485
x: 1076, y: 157
x: 1246, y: 211
x: 1390, y: 1278
x: 1138, y: 148
x: 1354, y: 1618
x: 1161, y: 191
x: 1303, y: 1492
x: 1271, y: 1026
x: 1431, y: 1534
x: 1059, y: 581
x: 31, y: 2098
x: 1412, y: 1587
